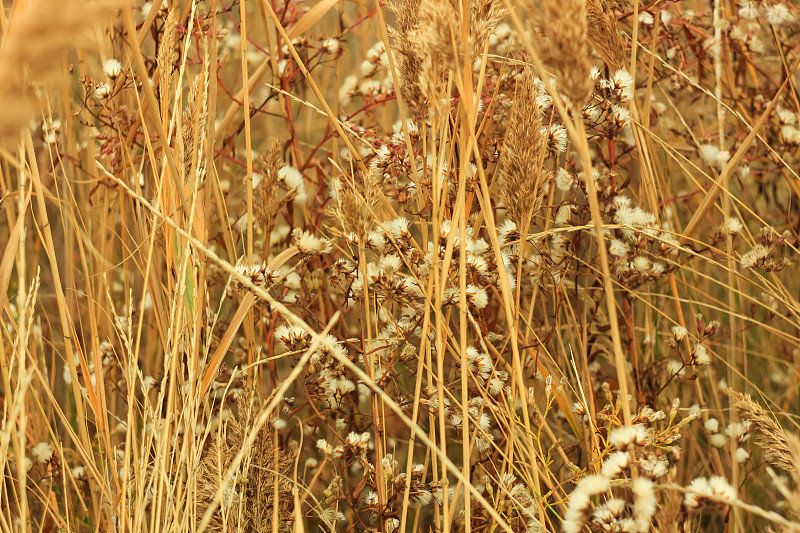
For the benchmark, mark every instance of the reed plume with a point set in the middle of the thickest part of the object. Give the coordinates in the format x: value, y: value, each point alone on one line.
x: 194, y: 126
x: 248, y: 503
x: 604, y: 35
x: 521, y: 178
x: 433, y: 38
x: 485, y: 14
x: 166, y: 59
x: 561, y: 39
x: 770, y: 436
x: 409, y: 53
x: 266, y: 192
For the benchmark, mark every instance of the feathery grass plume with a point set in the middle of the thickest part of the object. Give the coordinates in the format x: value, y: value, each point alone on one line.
x: 370, y: 181
x: 349, y: 212
x: 770, y: 436
x: 39, y: 33
x: 485, y: 15
x: 561, y: 41
x: 409, y: 53
x: 432, y: 34
x: 603, y: 34
x: 267, y: 200
x: 166, y: 59
x: 194, y: 124
x: 669, y: 511
x: 521, y: 180
x: 266, y: 192
x: 250, y: 491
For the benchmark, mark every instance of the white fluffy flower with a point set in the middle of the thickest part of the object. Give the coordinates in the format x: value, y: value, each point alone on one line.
x: 748, y: 9
x: 558, y: 137
x: 507, y: 232
x: 618, y: 248
x: 382, y: 153
x: 292, y: 337
x: 741, y: 455
x: 348, y: 88
x: 396, y: 228
x: 484, y: 442
x: 730, y: 226
x: 43, y: 452
x: 790, y: 134
x: 369, y: 86
x: 786, y: 116
x: 679, y: 333
x: 112, y: 68
x: 624, y: 437
x: 716, y: 487
x: 621, y: 116
x: 778, y: 13
x: 564, y: 180
x: 626, y: 215
x: 563, y: 214
x: 294, y: 180
x: 751, y: 258
x: 623, y: 83
x: 331, y: 46
x: 102, y: 90
x: 718, y: 440
x: 580, y: 500
x: 615, y: 464
x: 701, y: 355
x: 713, y: 156
x: 653, y: 466
x: 644, y: 503
x: 641, y: 263
x: 646, y: 18
x: 309, y: 243
x: 368, y: 68
x: 477, y: 296
x: 738, y: 430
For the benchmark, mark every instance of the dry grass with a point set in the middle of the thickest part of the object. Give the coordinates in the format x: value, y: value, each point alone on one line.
x: 428, y: 266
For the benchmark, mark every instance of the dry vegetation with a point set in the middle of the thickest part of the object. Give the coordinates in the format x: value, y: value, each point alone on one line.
x: 427, y: 265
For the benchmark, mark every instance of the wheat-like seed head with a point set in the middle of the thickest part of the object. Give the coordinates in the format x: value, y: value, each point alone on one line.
x: 166, y: 59
x: 248, y: 504
x: 561, y: 37
x: 603, y: 34
x: 770, y: 436
x: 194, y: 125
x: 409, y: 53
x: 521, y: 178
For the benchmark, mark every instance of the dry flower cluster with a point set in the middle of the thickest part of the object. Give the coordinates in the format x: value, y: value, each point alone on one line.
x: 420, y: 265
